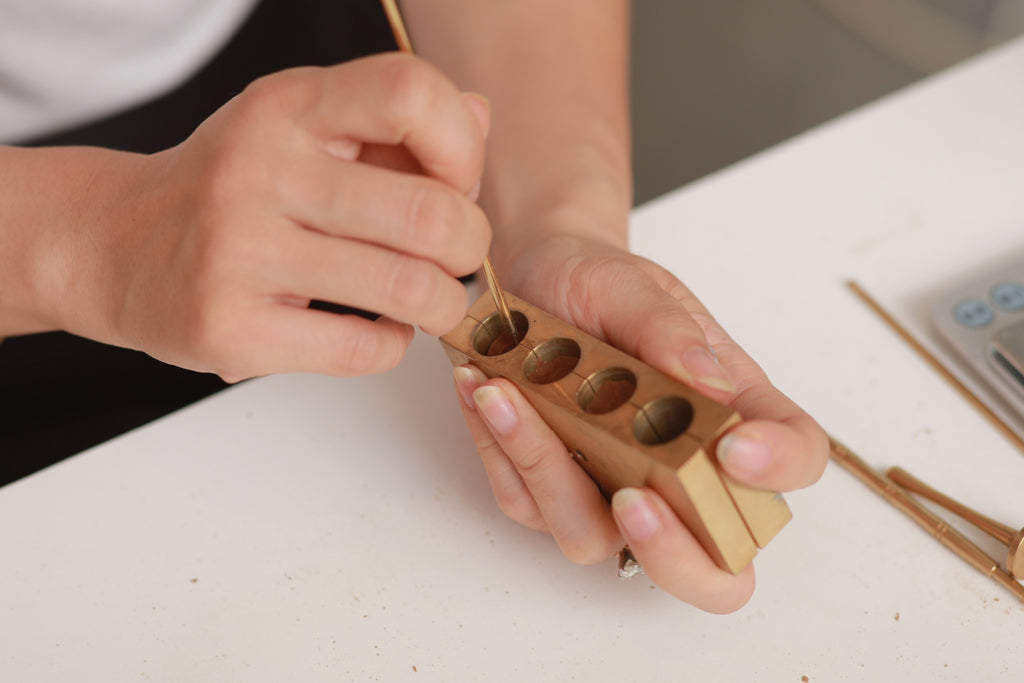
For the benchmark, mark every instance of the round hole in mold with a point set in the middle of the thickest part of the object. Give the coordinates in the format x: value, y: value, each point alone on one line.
x: 606, y: 390
x: 662, y: 420
x: 492, y: 338
x: 552, y: 360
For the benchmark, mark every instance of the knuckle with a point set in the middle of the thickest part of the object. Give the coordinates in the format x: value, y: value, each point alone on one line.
x: 433, y: 215
x: 233, y: 144
x: 275, y: 92
x: 519, y: 506
x: 531, y: 462
x: 419, y: 292
x: 412, y: 285
x: 258, y: 94
x: 363, y: 354
x: 251, y: 107
x: 411, y: 84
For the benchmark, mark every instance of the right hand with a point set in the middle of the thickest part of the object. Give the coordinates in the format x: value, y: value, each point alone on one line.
x: 352, y: 184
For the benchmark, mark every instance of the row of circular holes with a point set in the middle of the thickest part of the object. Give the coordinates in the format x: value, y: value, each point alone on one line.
x: 660, y: 421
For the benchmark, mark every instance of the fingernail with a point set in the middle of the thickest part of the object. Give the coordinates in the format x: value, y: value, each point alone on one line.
x: 474, y: 194
x: 344, y: 148
x: 635, y: 514
x: 743, y: 455
x: 494, y: 405
x: 702, y: 366
x: 481, y: 107
x: 467, y: 380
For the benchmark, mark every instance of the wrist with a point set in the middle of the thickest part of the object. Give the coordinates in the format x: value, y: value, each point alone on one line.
x: 594, y: 211
x: 60, y: 210
x: 29, y: 244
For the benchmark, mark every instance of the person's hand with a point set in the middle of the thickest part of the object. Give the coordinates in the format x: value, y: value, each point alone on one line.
x: 352, y: 185
x: 642, y: 309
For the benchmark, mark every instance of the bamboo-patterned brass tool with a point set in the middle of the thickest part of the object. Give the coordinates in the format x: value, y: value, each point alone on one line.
x: 394, y: 16
x: 625, y: 423
x: 1012, y: 538
x: 934, y: 525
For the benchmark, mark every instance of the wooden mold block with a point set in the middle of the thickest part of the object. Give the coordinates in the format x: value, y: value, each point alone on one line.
x: 625, y: 423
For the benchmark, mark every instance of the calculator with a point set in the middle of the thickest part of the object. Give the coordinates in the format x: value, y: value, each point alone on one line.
x: 983, y: 322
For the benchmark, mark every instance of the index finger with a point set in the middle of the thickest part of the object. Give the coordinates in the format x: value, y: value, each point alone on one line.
x: 397, y: 99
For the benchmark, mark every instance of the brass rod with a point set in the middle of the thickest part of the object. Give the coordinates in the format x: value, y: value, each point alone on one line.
x: 930, y: 358
x: 499, y: 300
x: 934, y: 525
x: 997, y: 530
x: 394, y: 16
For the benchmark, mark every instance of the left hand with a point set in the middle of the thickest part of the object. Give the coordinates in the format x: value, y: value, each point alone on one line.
x: 642, y: 309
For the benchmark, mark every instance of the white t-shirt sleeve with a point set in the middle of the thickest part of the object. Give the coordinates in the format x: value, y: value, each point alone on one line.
x: 66, y: 62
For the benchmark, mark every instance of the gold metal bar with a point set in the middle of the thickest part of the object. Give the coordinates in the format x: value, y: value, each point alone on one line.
x: 625, y: 423
x: 930, y: 358
x: 394, y: 16
x: 997, y: 530
x: 934, y: 525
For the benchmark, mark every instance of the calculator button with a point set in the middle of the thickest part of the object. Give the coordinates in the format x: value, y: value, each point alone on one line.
x: 973, y: 313
x: 1008, y: 296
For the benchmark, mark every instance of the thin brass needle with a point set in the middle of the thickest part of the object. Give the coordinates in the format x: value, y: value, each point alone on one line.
x: 927, y: 520
x: 394, y: 15
x: 499, y: 300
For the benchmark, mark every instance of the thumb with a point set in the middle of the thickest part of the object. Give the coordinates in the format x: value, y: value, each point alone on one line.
x: 481, y: 108
x: 640, y: 317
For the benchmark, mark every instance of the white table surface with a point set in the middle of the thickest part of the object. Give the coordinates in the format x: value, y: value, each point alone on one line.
x: 307, y: 528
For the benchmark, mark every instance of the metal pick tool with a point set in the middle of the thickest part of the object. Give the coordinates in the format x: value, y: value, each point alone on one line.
x: 1012, y: 538
x: 394, y: 16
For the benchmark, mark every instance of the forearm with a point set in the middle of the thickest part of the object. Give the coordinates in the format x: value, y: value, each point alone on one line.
x: 556, y: 74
